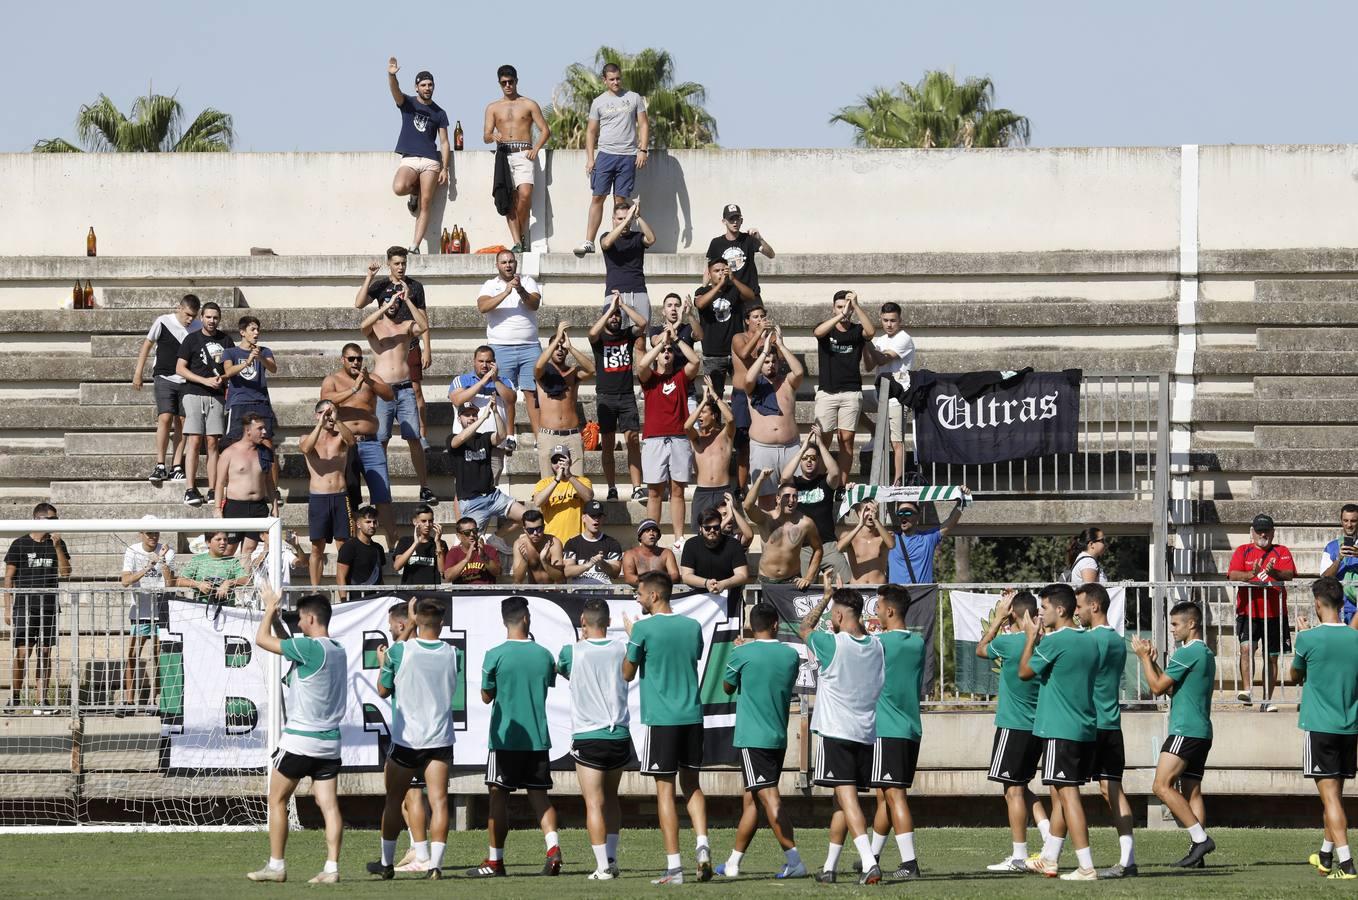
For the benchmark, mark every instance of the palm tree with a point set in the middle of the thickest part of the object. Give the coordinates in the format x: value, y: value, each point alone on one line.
x: 938, y: 111
x: 678, y: 119
x: 155, y: 126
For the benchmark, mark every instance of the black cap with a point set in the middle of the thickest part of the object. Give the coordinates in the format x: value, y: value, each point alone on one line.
x: 594, y: 509
x: 424, y: 75
x: 731, y: 212
x: 560, y: 452
x: 1262, y: 523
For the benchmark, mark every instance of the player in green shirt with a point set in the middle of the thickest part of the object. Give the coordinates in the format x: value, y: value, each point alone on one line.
x: 664, y: 648
x: 1189, y: 678
x: 515, y: 677
x: 761, y: 673
x: 1326, y: 660
x: 213, y: 575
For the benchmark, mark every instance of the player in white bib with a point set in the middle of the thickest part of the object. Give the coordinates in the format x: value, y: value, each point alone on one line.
x: 310, y: 745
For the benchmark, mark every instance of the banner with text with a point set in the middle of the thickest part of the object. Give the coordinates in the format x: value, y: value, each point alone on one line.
x: 966, y: 419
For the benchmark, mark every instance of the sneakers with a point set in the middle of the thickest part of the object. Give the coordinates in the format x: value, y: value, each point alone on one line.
x: 791, y: 871
x: 1244, y: 697
x: 871, y: 876
x: 193, y: 498
x: 1268, y: 707
x: 211, y: 497
x: 406, y: 860
x: 612, y: 492
x: 824, y: 877
x: 435, y: 874
x: 1343, y: 872
x: 586, y: 247
x: 414, y: 865
x: 1322, y: 861
x: 415, y: 250
x: 639, y: 493
x: 704, y: 864
x: 177, y: 474
x: 387, y: 873
x: 671, y: 877
x: 613, y: 869
x: 1197, y: 853
x: 600, y: 875
x: 1043, y: 866
x: 906, y: 871
x: 517, y: 248
x: 509, y: 444
x: 553, y: 864
x: 1010, y: 864
x: 413, y: 203
x: 721, y: 870
x: 1080, y: 875
x: 491, y: 868
x: 158, y: 474
x: 325, y: 878
x: 427, y: 497
x: 1119, y: 871
x: 267, y: 874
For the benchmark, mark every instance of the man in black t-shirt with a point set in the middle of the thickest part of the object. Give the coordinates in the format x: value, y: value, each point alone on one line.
x: 721, y: 310
x: 361, y: 559
x: 33, y: 565
x: 382, y: 290
x: 624, y: 253
x: 419, y: 558
x: 424, y: 163
x: 738, y: 248
x: 471, y: 465
x: 839, y: 396
x: 200, y: 364
x: 167, y: 332
x: 592, y: 557
x: 615, y: 393
x: 714, y: 561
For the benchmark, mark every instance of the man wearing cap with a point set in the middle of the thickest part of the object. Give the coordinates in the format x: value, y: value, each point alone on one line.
x: 424, y: 160
x: 558, y: 395
x: 593, y: 557
x: 738, y: 248
x: 720, y: 302
x: 469, y: 461
x: 911, y: 561
x: 1261, y: 606
x: 648, y: 555
x: 480, y: 387
x: 562, y: 496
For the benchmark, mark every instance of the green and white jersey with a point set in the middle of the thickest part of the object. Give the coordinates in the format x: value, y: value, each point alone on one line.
x: 214, y: 570
x: 1065, y: 662
x: 1108, y: 676
x: 763, y: 673
x: 422, y: 676
x: 1193, y: 669
x: 851, y: 676
x: 666, y: 648
x: 1328, y: 655
x: 1017, y: 704
x: 317, y: 693
x: 898, y: 704
x: 519, y: 672
x: 598, y: 693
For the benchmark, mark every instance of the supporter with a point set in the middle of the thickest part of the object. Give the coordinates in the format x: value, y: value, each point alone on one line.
x: 481, y: 387
x: 625, y: 257
x: 1082, y: 557
x: 616, y: 138
x: 559, y: 416
x: 666, y: 455
x: 1261, y: 608
x: 260, y: 560
x: 390, y: 343
x: 326, y: 451
x: 867, y: 547
x: 714, y: 561
x: 615, y: 397
x: 892, y: 353
x: 593, y: 557
x: 510, y: 303
x: 382, y: 290
x: 817, y: 477
x: 648, y: 555
x: 472, y: 560
x: 200, y: 365
x: 245, y: 479
x: 470, y: 460
x: 1341, y: 558
x: 911, y: 560
x: 720, y: 302
x: 677, y: 311
x: 361, y: 560
x: 738, y: 248
x: 245, y: 367
x: 424, y: 160
x: 355, y: 392
x: 417, y: 556
x: 538, y: 556
x: 734, y: 523
x: 772, y: 382
x: 786, y: 531
x: 710, y: 430
x: 745, y: 347
x: 34, y: 563
x: 509, y: 125
x: 214, y: 574
x: 167, y: 332
x: 148, y: 569
x: 839, y: 396
x: 561, y: 497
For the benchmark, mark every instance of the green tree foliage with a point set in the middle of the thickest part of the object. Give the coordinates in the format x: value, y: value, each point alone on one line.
x: 156, y: 125
x: 938, y: 111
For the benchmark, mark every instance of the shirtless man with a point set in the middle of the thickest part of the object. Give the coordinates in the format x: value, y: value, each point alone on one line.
x: 390, y: 343
x: 326, y: 451
x: 509, y: 125
x: 355, y: 392
x: 539, y: 557
x: 648, y: 555
x: 745, y: 348
x: 772, y: 381
x: 867, y: 546
x: 245, y: 480
x: 710, y: 429
x: 785, y: 531
x: 558, y: 390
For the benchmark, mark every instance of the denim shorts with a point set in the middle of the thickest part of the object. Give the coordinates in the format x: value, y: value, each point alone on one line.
x: 616, y: 171
x: 496, y: 503
x: 372, y: 459
x: 402, y: 409
x: 516, y: 363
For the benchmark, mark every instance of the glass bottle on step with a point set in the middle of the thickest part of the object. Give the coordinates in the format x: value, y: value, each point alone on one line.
x: 457, y: 136
x: 91, y: 243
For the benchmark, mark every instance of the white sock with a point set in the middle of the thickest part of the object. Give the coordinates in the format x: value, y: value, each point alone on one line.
x: 1327, y: 846
x: 600, y: 856
x: 878, y: 842
x: 906, y: 844
x: 497, y: 854
x: 864, y: 845
x: 673, y: 861
x: 733, y: 862
x: 1128, y: 852
x: 1044, y: 828
x: 276, y: 865
x: 421, y: 850
x: 436, y: 849
x: 1196, y: 833
x: 331, y: 866
x: 1052, y: 848
x: 832, y: 857
x: 1020, y: 850
x: 1085, y: 857
x: 388, y: 852
x: 701, y: 842
x: 552, y: 840
x: 792, y: 856
x: 1343, y: 853
x: 611, y: 842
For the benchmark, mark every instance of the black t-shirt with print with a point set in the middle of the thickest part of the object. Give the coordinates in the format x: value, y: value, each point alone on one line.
x: 470, y: 466
x: 721, y: 319
x: 613, y: 361
x: 423, y: 565
x: 204, y: 356
x: 383, y: 288
x: 817, y: 500
x: 35, y: 567
x: 840, y: 354
x: 739, y: 255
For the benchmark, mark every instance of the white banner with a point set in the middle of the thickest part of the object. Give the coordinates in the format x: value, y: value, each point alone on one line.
x: 971, y: 612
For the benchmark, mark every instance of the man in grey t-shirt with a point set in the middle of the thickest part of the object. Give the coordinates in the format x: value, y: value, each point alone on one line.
x: 619, y: 130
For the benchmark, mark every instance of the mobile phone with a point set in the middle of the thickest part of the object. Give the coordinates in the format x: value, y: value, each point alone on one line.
x: 1346, y: 541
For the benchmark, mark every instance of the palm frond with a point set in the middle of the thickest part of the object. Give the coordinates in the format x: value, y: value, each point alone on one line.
x: 55, y: 145
x: 99, y: 125
x: 211, y: 132
x: 936, y: 111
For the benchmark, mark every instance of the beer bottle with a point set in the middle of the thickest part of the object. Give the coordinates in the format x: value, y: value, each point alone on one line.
x: 89, y: 294
x: 457, y: 136
x: 466, y: 244
x: 90, y: 243
x: 77, y: 296
x: 443, y: 244
x: 457, y: 239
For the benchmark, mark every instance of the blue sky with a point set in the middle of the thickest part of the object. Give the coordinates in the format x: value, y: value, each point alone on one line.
x: 310, y: 76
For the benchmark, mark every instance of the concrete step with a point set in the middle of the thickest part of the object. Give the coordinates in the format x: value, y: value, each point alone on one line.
x: 1305, y: 485
x: 1274, y: 460
x: 1300, y: 436
x: 1308, y: 290
x: 1286, y: 513
x: 1259, y: 362
x: 1247, y: 409
x: 1305, y: 387
x: 166, y: 298
x: 1303, y: 312
x: 1301, y: 340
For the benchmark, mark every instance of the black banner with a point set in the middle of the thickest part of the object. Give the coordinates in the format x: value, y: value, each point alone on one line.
x: 992, y: 417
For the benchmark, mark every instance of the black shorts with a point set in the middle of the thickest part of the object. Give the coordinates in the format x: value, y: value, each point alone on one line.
x: 329, y: 518
x: 842, y: 762
x: 1192, y: 750
x: 169, y: 396
x: 416, y: 760
x: 1275, y: 635
x: 893, y: 762
x: 1014, y: 756
x: 527, y: 769
x: 618, y: 412
x: 1326, y: 755
x: 669, y: 748
x: 602, y: 753
x: 1067, y: 763
x: 35, y: 622
x: 245, y: 509
x: 235, y: 427
x: 705, y: 498
x: 297, y: 766
x: 1109, y: 757
x: 761, y: 767
x: 741, y: 441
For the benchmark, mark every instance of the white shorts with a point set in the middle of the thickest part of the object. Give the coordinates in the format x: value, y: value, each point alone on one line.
x: 421, y: 163
x: 520, y: 168
x: 666, y: 459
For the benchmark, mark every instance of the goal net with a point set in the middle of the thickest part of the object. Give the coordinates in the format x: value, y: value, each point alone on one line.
x: 141, y: 704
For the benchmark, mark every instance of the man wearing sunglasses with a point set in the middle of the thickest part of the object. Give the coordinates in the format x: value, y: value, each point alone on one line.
x: 509, y: 125
x: 539, y: 557
x: 911, y: 561
x: 739, y: 248
x: 355, y: 392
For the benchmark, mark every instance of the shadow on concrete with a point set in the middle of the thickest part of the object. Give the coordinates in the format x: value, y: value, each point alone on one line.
x: 664, y: 203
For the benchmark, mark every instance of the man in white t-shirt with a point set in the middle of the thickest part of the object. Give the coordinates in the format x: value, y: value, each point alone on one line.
x: 619, y: 129
x: 892, y: 353
x: 510, y: 303
x: 147, y: 569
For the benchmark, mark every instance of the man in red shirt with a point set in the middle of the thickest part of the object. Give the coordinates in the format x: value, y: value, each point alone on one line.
x: 666, y: 455
x: 1261, y: 607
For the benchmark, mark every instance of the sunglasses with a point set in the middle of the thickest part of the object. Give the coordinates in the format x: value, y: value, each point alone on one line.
x: 539, y: 530
x: 509, y: 81
x: 471, y: 533
x: 353, y: 359
x: 46, y: 518
x: 711, y: 529
x: 907, y: 513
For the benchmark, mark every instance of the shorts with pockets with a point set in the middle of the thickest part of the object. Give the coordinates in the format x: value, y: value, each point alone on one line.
x: 420, y: 163
x: 669, y: 748
x: 666, y: 459
x: 483, y: 506
x: 35, y: 621
x: 773, y: 457
x: 761, y: 767
x: 401, y: 408
x: 1272, y: 634
x: 513, y: 769
x: 521, y: 168
x: 296, y: 766
x: 1326, y: 755
x: 1014, y: 756
x: 416, y: 760
x: 894, y: 761
x: 618, y: 412
x: 245, y: 509
x: 838, y: 411
x: 372, y: 462
x: 204, y: 414
x: 1192, y: 751
x: 169, y: 396
x: 329, y: 517
x: 840, y: 762
x: 1067, y: 763
x: 515, y: 363
x: 604, y: 755
x: 614, y: 174
x: 1110, y: 759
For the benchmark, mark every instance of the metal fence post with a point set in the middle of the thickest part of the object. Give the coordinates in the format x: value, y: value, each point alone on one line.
x: 76, y: 726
